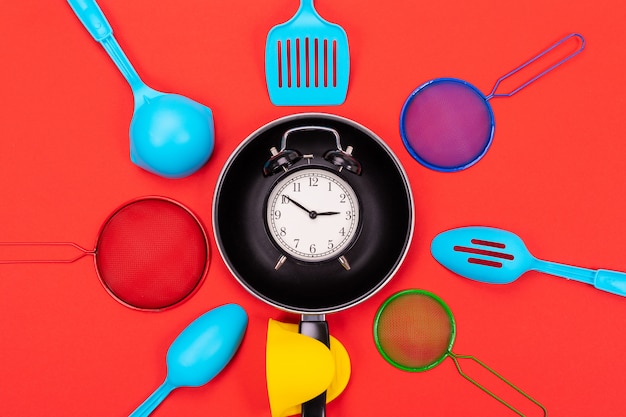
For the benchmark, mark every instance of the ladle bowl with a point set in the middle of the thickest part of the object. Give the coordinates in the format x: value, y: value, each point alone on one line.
x: 170, y: 135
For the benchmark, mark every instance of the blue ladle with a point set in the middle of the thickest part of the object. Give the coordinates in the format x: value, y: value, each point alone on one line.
x: 496, y: 256
x: 199, y: 352
x: 170, y: 135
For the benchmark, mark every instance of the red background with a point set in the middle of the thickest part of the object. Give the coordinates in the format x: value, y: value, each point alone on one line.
x: 554, y: 175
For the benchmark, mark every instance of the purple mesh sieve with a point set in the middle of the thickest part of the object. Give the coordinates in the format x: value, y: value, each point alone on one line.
x: 447, y: 124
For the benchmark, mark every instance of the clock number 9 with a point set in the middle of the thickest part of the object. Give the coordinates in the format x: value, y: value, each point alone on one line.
x: 277, y: 214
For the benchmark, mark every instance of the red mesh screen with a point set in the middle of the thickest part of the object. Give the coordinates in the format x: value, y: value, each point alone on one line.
x: 151, y: 253
x: 414, y: 330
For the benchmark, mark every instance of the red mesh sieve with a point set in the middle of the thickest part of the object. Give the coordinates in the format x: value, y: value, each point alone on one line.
x: 152, y: 253
x: 414, y: 330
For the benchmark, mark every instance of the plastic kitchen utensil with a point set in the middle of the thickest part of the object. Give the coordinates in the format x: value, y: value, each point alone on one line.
x: 299, y: 368
x: 414, y: 330
x: 199, y: 352
x: 447, y: 124
x: 151, y: 253
x: 497, y: 256
x: 307, y: 60
x: 170, y: 135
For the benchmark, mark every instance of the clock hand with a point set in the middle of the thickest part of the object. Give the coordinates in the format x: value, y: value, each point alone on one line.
x: 312, y: 213
x: 300, y: 205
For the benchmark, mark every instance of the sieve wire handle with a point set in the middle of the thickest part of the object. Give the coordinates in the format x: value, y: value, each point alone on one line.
x: 544, y: 72
x: 83, y: 252
x: 456, y: 358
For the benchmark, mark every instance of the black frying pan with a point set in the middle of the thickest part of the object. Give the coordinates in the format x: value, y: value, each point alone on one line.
x: 385, y: 230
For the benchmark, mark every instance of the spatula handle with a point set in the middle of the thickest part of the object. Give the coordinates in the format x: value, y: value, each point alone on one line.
x: 603, y: 279
x: 566, y: 271
x: 611, y: 281
x: 92, y: 18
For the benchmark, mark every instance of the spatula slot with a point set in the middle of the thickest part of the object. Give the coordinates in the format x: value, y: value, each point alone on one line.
x: 484, y: 252
x: 298, y: 66
x: 485, y: 262
x: 488, y: 243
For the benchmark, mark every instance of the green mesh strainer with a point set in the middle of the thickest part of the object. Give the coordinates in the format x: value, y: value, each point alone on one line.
x: 414, y: 330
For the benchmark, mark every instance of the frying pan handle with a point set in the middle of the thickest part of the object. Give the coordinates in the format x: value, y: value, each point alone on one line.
x: 317, y: 328
x: 456, y: 358
x: 579, y: 49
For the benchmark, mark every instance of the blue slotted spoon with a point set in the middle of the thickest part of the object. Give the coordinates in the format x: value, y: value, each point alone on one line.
x: 307, y: 60
x: 497, y: 256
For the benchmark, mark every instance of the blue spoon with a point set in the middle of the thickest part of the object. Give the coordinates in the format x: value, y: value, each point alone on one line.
x: 170, y: 135
x: 199, y: 352
x: 497, y: 256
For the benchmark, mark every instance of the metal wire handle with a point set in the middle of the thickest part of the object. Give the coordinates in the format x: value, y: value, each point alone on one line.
x: 283, y: 143
x: 83, y: 252
x: 567, y: 58
x: 456, y: 358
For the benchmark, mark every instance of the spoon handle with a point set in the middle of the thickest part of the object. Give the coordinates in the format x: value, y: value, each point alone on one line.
x: 603, y: 279
x: 566, y: 271
x: 153, y: 401
x: 90, y: 15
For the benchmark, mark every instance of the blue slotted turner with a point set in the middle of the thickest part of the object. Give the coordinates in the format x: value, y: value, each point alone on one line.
x: 497, y: 256
x: 307, y: 60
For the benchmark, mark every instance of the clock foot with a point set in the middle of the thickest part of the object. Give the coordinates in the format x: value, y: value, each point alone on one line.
x: 280, y: 262
x: 344, y: 262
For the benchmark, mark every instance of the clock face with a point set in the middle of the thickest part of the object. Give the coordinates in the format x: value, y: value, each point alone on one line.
x: 312, y: 214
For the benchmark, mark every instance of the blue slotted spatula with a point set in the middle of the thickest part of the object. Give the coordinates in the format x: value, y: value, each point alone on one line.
x: 307, y: 61
x: 497, y: 256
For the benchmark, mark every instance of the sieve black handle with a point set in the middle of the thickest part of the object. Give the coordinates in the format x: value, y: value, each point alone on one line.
x: 317, y: 328
x: 456, y: 358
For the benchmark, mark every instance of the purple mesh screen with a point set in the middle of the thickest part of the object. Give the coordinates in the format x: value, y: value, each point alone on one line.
x: 447, y: 124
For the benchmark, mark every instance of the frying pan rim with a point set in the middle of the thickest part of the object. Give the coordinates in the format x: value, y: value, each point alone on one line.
x: 415, y: 155
x: 339, y: 119
x: 206, y: 247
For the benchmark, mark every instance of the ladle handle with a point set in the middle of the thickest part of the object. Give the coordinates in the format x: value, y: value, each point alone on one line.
x: 456, y: 358
x: 542, y: 73
x: 91, y: 16
x: 12, y: 252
